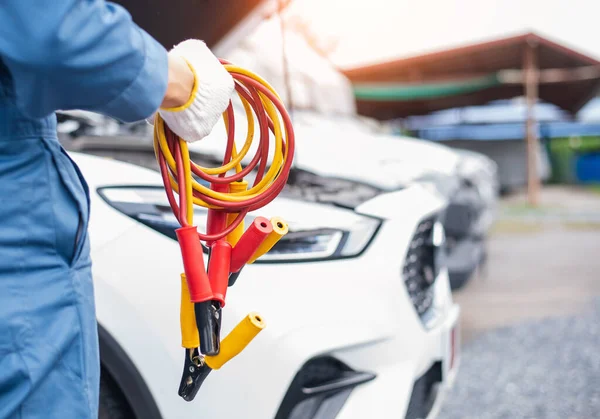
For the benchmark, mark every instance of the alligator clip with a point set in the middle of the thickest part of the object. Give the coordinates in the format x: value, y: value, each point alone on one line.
x: 208, y: 313
x: 196, y: 367
x: 207, y: 301
x: 195, y: 371
x: 208, y: 321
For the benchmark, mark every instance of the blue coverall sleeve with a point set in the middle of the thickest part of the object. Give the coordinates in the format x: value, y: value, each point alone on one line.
x: 81, y: 54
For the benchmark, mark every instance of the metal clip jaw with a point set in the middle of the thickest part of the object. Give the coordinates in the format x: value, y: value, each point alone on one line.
x: 197, y: 366
x: 208, y: 321
x: 195, y: 372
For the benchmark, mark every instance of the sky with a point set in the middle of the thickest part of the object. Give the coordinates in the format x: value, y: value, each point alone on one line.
x: 377, y: 30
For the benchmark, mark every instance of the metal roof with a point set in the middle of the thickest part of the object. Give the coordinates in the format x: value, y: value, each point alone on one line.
x: 470, y: 75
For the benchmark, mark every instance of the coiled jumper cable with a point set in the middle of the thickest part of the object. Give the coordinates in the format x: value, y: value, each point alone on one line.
x: 228, y: 200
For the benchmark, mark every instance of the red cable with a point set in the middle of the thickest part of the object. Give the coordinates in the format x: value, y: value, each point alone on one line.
x: 249, y: 89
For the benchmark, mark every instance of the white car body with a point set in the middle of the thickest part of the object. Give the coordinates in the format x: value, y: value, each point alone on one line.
x: 347, y: 147
x: 357, y: 310
x: 350, y: 149
x: 344, y: 148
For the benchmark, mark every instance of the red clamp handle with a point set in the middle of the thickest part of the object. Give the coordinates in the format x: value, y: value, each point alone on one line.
x: 218, y: 269
x: 249, y: 242
x: 193, y: 264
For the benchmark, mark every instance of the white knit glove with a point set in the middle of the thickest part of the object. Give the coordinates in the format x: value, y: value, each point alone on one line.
x: 213, y: 87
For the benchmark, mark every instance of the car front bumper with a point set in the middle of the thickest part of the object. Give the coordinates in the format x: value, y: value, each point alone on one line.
x: 411, y: 387
x: 355, y: 310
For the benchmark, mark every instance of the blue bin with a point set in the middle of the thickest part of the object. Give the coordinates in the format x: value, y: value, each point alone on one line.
x: 587, y: 167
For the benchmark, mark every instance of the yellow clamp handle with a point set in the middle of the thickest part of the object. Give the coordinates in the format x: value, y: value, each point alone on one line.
x: 280, y: 229
x: 236, y: 340
x: 187, y: 318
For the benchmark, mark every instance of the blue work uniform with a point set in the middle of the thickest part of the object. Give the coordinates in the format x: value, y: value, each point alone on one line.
x: 59, y: 54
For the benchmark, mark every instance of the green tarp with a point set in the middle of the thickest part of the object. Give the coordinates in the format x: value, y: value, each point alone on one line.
x: 395, y: 92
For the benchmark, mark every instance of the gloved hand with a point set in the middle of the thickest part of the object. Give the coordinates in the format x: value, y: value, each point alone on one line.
x: 213, y: 87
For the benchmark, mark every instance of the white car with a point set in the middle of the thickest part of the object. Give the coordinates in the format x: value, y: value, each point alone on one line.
x: 360, y: 317
x: 348, y: 149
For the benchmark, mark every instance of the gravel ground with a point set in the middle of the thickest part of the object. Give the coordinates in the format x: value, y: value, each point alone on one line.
x: 540, y: 370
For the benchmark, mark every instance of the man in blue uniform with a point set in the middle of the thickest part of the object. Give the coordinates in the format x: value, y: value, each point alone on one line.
x: 72, y: 54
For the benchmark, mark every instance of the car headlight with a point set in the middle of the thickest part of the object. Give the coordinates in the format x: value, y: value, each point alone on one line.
x: 149, y: 206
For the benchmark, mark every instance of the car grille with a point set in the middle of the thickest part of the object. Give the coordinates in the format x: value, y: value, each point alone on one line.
x: 424, y: 393
x: 420, y: 266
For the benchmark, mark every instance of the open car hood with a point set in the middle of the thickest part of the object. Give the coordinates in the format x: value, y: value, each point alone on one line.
x: 329, y: 149
x: 335, y: 149
x: 220, y: 23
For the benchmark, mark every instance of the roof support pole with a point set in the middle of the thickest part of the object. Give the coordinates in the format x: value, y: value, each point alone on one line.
x: 531, y: 70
